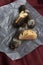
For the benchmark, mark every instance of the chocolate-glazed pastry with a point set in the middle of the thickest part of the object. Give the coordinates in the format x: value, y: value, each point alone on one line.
x: 14, y: 44
x: 29, y: 14
x: 24, y: 18
x: 21, y: 20
x: 31, y: 23
x: 22, y: 8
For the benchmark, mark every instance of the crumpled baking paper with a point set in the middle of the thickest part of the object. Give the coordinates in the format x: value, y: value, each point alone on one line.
x: 7, y: 14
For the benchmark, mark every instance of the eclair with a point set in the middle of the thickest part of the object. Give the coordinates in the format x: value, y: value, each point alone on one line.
x: 28, y: 35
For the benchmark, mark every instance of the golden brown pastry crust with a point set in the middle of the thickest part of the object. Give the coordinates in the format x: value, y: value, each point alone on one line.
x: 28, y: 35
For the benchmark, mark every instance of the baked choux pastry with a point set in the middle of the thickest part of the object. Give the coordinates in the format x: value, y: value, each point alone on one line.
x: 28, y: 35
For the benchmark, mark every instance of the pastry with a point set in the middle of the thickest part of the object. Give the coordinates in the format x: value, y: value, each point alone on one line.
x: 28, y: 35
x: 22, y: 15
x: 22, y: 8
x: 21, y: 20
x: 29, y: 14
x: 31, y: 23
x: 14, y: 44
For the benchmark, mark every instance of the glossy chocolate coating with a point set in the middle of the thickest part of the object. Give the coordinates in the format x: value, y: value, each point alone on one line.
x: 22, y: 8
x: 21, y: 22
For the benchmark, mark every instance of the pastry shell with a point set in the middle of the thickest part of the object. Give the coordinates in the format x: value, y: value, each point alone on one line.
x: 28, y: 35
